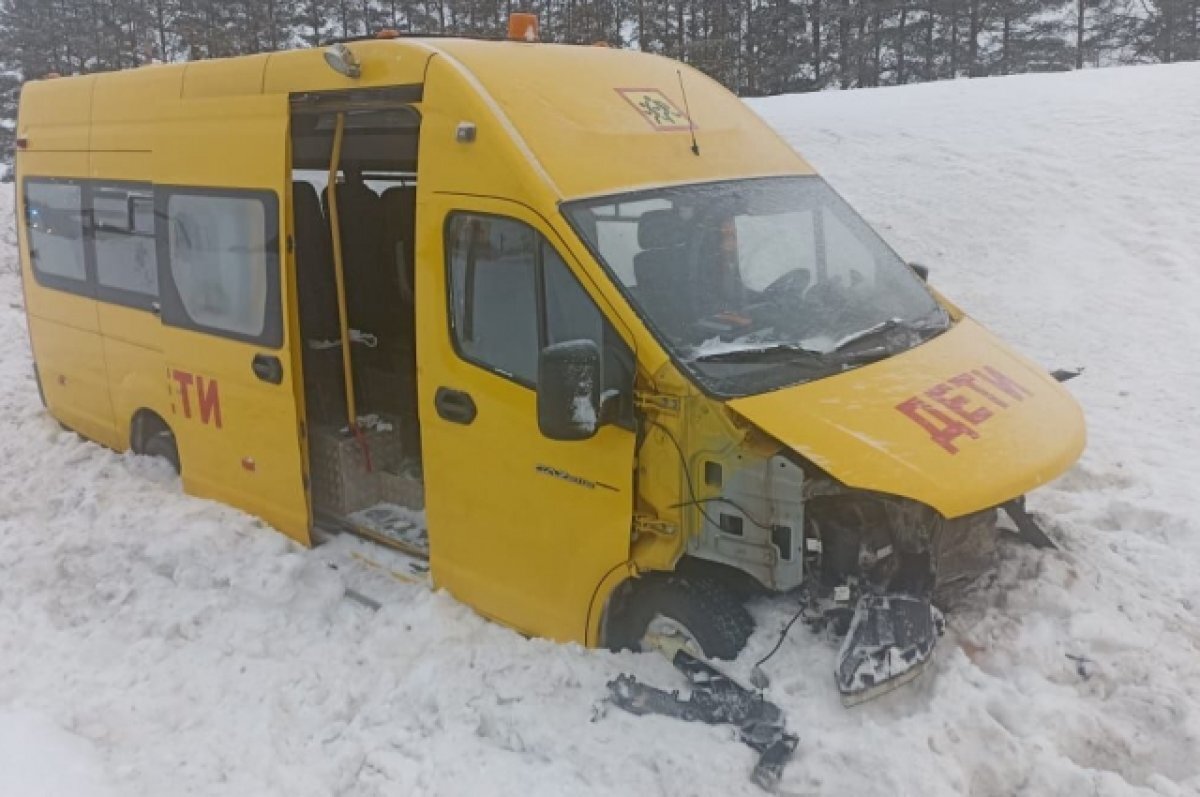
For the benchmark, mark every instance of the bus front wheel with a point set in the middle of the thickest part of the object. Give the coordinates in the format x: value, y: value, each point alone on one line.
x: 698, y: 614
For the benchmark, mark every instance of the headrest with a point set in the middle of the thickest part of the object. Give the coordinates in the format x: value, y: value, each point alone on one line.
x: 399, y: 195
x: 659, y: 229
x: 303, y: 191
x: 351, y: 195
x: 304, y: 198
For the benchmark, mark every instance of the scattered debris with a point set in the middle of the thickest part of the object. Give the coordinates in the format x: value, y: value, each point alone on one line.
x: 1066, y: 374
x: 1083, y: 665
x: 889, y: 642
x: 715, y: 699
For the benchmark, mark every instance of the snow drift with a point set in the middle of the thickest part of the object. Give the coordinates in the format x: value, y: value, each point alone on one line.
x: 152, y: 643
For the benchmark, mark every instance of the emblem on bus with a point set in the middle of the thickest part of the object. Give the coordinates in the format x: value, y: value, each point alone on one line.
x: 654, y: 106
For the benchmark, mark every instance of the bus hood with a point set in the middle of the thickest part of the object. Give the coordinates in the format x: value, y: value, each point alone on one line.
x: 961, y: 423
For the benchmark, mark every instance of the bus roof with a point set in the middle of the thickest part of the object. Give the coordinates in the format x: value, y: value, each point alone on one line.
x: 598, y: 120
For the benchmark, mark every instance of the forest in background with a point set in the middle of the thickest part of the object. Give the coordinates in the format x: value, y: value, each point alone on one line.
x: 755, y: 47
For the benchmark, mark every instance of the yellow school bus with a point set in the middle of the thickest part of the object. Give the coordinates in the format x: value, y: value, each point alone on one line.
x: 570, y: 322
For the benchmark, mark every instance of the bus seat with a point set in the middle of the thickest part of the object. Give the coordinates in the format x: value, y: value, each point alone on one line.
x: 661, y: 267
x: 314, y: 266
x: 317, y: 288
x: 360, y: 220
x: 399, y: 210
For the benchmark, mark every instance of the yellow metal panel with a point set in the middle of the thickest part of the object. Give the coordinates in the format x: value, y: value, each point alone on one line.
x: 523, y: 547
x: 602, y: 120
x: 129, y: 325
x: 239, y: 142
x: 51, y: 164
x: 134, y: 369
x: 248, y: 454
x: 54, y: 113
x: 496, y: 163
x: 125, y: 106
x: 70, y: 364
x: 384, y: 63
x: 961, y: 423
x: 127, y: 166
x: 225, y: 77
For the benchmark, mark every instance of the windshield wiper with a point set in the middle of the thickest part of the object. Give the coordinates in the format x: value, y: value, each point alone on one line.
x: 772, y: 352
x: 881, y: 328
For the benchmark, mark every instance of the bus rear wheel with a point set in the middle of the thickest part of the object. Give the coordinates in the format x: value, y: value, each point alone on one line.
x: 162, y: 444
x: 697, y: 614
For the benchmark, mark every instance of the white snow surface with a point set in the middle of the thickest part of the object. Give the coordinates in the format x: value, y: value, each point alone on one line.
x: 156, y: 644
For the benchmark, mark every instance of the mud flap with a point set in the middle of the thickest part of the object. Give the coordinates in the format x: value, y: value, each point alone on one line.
x: 891, y: 639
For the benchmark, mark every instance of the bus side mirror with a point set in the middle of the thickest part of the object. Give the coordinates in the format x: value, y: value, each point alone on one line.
x: 568, y: 390
x: 921, y: 270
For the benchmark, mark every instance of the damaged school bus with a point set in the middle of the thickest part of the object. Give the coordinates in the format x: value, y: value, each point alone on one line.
x: 631, y: 357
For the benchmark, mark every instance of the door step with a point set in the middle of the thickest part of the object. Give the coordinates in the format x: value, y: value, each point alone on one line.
x: 393, y: 525
x: 373, y: 575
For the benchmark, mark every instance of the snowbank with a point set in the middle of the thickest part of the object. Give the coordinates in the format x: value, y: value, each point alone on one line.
x: 152, y: 643
x: 39, y: 759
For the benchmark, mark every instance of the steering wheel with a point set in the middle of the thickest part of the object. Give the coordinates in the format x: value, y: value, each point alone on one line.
x: 797, y: 280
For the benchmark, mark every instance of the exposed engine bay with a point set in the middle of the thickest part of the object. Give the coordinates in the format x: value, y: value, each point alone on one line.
x: 875, y: 569
x: 724, y: 502
x: 784, y: 526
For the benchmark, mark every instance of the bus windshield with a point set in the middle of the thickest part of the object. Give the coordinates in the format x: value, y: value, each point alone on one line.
x: 759, y: 283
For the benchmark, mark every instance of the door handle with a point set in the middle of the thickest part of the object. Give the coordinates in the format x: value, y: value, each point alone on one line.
x: 267, y: 368
x: 455, y: 406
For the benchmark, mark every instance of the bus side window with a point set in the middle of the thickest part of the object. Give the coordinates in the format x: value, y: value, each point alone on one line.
x: 512, y: 295
x: 54, y: 220
x: 570, y: 314
x: 223, y: 264
x: 123, y: 231
x: 492, y: 263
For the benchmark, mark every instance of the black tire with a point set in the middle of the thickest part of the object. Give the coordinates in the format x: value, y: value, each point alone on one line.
x: 710, y: 611
x: 162, y: 444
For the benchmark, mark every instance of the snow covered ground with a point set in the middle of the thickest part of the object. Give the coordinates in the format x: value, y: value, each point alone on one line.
x: 156, y: 644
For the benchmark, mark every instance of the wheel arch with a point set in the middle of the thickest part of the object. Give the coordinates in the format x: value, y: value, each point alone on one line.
x: 741, y: 583
x: 713, y: 614
x: 621, y: 585
x: 610, y: 587
x: 144, y: 423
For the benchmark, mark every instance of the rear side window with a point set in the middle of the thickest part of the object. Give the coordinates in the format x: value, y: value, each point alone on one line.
x: 54, y: 221
x: 223, y: 262
x: 123, y: 228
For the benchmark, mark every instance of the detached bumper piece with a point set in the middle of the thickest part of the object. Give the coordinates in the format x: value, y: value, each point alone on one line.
x: 891, y: 639
x: 716, y: 699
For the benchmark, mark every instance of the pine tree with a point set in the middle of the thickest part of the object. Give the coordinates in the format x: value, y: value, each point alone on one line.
x: 753, y: 46
x: 10, y: 89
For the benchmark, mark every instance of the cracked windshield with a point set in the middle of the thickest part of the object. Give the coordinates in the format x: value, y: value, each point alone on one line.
x: 757, y: 284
